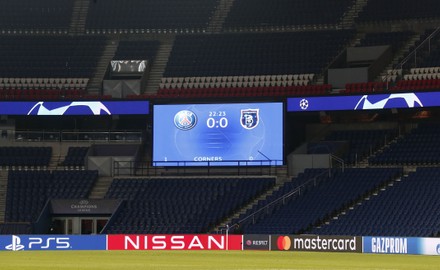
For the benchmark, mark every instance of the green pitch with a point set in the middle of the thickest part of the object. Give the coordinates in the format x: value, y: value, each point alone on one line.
x: 242, y: 260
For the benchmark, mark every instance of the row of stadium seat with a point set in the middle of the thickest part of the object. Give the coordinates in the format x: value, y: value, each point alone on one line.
x: 414, y: 85
x: 48, y: 94
x: 422, y: 76
x: 184, y: 85
x: 245, y: 91
x: 43, y: 83
x: 425, y: 70
x: 243, y: 79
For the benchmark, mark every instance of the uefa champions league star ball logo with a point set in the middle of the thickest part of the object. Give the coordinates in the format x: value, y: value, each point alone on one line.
x: 403, y: 100
x: 185, y: 120
x: 69, y: 108
x: 304, y: 104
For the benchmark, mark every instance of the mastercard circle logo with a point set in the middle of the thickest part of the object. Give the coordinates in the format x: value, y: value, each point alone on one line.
x: 284, y: 243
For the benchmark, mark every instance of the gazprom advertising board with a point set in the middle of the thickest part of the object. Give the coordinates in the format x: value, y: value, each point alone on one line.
x: 402, y: 245
x: 364, y: 102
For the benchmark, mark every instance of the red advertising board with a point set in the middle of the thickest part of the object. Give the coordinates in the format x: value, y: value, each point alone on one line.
x: 174, y: 242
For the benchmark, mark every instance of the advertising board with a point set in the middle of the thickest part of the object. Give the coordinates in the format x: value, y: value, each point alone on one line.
x: 364, y: 102
x: 316, y: 243
x: 401, y: 245
x: 174, y: 242
x: 58, y: 108
x: 52, y: 242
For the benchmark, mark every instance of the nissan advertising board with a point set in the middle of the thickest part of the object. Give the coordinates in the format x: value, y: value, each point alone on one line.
x: 175, y: 242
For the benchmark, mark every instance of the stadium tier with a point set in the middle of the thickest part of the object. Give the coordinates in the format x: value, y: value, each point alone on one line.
x: 156, y: 14
x: 263, y: 13
x: 407, y: 207
x: 319, y: 203
x: 378, y: 11
x: 25, y: 156
x: 29, y: 191
x: 136, y: 50
x: 303, y: 181
x: 27, y: 15
x: 352, y: 172
x: 180, y: 205
x: 255, y: 53
x: 75, y: 156
x: 419, y: 147
x: 362, y: 143
x: 54, y: 57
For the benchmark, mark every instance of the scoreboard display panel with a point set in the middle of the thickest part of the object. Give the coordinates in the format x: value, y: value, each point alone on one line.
x: 228, y: 134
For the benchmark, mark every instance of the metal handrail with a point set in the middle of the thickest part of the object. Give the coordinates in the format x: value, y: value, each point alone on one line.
x: 414, y: 52
x: 281, y: 199
x: 420, y: 45
x: 235, y: 167
x: 338, y: 159
x: 78, y: 136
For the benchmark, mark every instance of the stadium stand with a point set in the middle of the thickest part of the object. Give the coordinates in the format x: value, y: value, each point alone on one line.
x: 28, y: 191
x: 211, y: 50
x: 362, y: 143
x: 378, y: 11
x: 338, y: 191
x: 54, y: 57
x: 419, y: 147
x: 136, y: 50
x: 21, y: 156
x: 254, y: 53
x: 394, y: 39
x: 173, y: 205
x: 408, y: 207
x: 75, y: 156
x: 36, y: 16
x: 303, y: 181
x: 156, y: 15
x: 249, y: 14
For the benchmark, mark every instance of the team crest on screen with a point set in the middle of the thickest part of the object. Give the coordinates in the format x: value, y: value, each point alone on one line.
x: 185, y: 120
x: 250, y: 118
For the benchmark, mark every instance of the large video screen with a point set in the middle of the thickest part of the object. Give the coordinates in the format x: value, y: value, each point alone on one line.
x: 79, y: 107
x: 218, y: 134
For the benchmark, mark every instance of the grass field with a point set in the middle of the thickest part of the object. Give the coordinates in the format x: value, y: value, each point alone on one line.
x: 243, y: 260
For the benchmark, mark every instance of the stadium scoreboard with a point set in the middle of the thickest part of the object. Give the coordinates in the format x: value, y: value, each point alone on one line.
x: 226, y: 134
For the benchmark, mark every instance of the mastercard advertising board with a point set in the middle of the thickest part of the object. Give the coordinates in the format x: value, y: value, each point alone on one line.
x: 316, y: 243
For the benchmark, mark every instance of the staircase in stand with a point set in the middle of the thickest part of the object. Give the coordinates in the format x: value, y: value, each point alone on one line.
x: 79, y: 16
x: 280, y: 182
x: 159, y: 65
x: 3, y: 189
x: 219, y: 16
x: 101, y: 187
x: 350, y: 16
x: 95, y: 84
